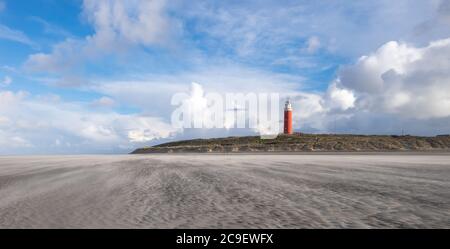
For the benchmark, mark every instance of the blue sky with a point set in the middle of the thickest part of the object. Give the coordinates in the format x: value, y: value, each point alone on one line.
x: 85, y: 76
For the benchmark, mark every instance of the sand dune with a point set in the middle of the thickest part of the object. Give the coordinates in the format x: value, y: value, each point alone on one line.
x: 226, y: 191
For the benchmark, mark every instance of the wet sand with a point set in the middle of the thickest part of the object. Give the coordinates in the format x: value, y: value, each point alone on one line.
x: 226, y: 191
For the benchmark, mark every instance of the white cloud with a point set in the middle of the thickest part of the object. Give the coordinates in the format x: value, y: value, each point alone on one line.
x: 8, y: 69
x: 339, y: 98
x: 403, y: 79
x: 395, y: 86
x: 136, y: 22
x: 6, y: 81
x: 145, y: 129
x: 32, y: 124
x: 313, y: 44
x: 15, y: 35
x: 314, y: 111
x: 103, y: 102
x: 8, y: 99
x: 117, y: 24
x: 367, y: 74
x: 52, y: 29
x: 399, y: 83
x: 12, y: 34
x: 64, y: 57
x: 296, y: 62
x: 13, y: 142
x: 268, y: 26
x: 152, y: 93
x: 149, y: 91
x: 306, y: 105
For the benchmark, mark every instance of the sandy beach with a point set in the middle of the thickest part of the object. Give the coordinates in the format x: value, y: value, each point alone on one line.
x: 226, y: 191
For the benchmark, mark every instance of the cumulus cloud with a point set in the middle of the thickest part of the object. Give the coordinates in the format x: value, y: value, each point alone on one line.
x: 64, y: 57
x: 367, y: 74
x: 339, y: 98
x: 402, y: 79
x: 153, y: 93
x: 150, y: 90
x: 118, y: 25
x: 137, y: 22
x: 29, y: 122
x: 396, y: 87
x: 146, y: 129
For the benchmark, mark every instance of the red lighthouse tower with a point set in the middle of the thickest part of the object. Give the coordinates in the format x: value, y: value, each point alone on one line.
x: 288, y: 118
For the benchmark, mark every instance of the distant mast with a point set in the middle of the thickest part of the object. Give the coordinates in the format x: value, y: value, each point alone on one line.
x: 288, y: 118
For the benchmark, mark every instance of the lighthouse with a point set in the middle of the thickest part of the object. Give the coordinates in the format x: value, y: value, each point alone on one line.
x: 288, y: 118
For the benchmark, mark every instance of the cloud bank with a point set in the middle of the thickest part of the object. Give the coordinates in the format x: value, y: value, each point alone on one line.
x: 309, y: 51
x: 401, y: 79
x: 118, y: 26
x: 36, y: 124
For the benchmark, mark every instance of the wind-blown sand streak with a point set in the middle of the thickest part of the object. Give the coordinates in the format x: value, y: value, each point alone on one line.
x: 226, y: 191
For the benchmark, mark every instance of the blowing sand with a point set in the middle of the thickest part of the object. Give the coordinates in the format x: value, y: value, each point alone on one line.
x: 226, y: 191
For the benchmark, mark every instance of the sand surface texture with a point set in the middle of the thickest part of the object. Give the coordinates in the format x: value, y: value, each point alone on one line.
x: 226, y: 191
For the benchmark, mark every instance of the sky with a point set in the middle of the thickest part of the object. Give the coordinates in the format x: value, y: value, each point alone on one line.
x: 97, y: 76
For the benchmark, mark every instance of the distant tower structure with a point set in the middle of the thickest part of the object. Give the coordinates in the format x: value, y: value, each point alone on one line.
x: 288, y: 118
